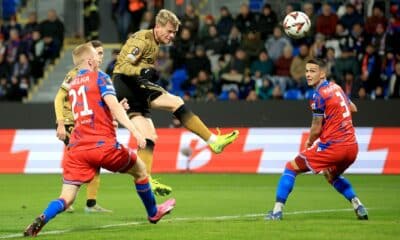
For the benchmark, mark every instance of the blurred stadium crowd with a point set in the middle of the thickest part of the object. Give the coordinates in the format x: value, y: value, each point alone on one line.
x: 243, y: 56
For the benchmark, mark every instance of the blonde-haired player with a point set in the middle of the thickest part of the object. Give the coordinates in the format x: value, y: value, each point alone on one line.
x: 65, y: 125
x: 134, y: 78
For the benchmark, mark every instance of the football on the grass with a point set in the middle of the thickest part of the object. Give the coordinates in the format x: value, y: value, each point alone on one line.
x: 296, y: 24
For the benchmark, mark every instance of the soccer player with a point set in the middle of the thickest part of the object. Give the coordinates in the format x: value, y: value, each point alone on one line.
x: 65, y: 125
x: 93, y: 142
x: 134, y: 78
x: 337, y: 148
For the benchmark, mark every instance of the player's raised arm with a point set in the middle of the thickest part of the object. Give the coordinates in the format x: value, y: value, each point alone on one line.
x: 120, y: 114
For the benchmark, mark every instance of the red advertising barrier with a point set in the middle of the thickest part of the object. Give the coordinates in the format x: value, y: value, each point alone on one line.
x: 257, y: 150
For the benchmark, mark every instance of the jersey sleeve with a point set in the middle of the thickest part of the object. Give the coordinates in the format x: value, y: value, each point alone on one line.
x: 318, y: 105
x: 105, y: 85
x: 134, y: 49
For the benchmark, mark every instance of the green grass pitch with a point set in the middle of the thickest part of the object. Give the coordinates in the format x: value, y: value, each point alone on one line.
x: 209, y: 206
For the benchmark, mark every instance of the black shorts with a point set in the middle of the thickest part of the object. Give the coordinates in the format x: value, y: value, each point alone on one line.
x: 138, y: 91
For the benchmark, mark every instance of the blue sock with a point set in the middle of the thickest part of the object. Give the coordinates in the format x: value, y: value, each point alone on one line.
x: 343, y: 186
x: 147, y: 196
x: 285, y: 185
x: 54, y: 208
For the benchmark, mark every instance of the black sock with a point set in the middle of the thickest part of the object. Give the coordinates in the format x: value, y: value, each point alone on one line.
x: 90, y: 202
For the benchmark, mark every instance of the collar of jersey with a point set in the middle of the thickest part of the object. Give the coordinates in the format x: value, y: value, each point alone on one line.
x: 83, y: 71
x: 323, y: 84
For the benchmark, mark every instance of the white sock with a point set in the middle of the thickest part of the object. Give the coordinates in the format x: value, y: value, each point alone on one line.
x: 356, y: 202
x: 212, y: 139
x: 278, y: 207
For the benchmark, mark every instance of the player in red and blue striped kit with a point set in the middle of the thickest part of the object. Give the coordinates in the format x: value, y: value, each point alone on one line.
x: 93, y: 143
x: 336, y: 149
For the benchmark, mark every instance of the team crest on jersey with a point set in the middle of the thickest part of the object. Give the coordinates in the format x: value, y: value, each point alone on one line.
x: 135, y: 51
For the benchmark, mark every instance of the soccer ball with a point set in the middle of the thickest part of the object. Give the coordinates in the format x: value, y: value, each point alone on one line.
x: 296, y: 24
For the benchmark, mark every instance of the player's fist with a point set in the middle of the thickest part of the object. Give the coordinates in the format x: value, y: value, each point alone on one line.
x: 149, y: 74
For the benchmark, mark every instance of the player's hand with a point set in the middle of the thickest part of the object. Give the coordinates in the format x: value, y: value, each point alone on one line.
x: 149, y: 74
x: 141, y: 141
x: 61, y: 133
x: 124, y: 103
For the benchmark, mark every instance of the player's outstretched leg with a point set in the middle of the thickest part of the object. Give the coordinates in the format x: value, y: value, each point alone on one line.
x: 55, y: 207
x: 192, y: 122
x: 343, y: 186
x: 285, y: 186
x: 154, y: 213
x: 223, y: 140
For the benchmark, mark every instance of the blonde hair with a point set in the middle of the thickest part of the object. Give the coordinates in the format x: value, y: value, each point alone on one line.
x: 164, y: 16
x: 79, y: 52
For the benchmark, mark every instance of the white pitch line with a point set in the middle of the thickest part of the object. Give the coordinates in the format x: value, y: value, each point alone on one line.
x: 186, y: 219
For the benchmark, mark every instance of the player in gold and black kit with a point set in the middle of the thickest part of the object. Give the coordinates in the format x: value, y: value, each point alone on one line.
x: 65, y: 125
x: 134, y: 78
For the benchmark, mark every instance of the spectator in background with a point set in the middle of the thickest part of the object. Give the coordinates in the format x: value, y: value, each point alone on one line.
x: 204, y: 30
x: 213, y: 45
x: 199, y: 62
x: 164, y: 65
x: 22, y: 68
x: 147, y: 21
x: 264, y: 89
x: 308, y: 9
x: 350, y: 85
x: 359, y: 39
x: 233, y: 42
x: 235, y: 71
x: 5, y: 68
x: 91, y: 19
x: 225, y: 22
x: 36, y: 55
x: 370, y: 69
x: 247, y: 86
x: 262, y: 66
x: 266, y: 21
x: 351, y: 17
x: 111, y: 64
x: 122, y: 18
x: 31, y: 25
x: 3, y: 88
x: 252, y: 96
x: 53, y: 29
x: 204, y: 85
x: 326, y: 22
x: 282, y: 68
x: 378, y: 40
x: 394, y: 83
x: 136, y: 9
x: 13, y: 24
x: 388, y: 67
x: 245, y: 21
x: 13, y: 47
x: 347, y: 62
x: 297, y: 68
x: 252, y: 44
x: 182, y: 49
x: 276, y: 43
x: 330, y: 64
x: 377, y: 17
x: 3, y: 48
x: 191, y: 21
x: 318, y: 49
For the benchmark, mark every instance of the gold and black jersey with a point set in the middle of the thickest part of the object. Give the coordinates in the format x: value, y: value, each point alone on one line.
x: 66, y: 113
x: 140, y: 51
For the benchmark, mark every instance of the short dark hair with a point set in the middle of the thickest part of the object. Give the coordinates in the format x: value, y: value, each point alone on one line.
x: 96, y: 43
x: 318, y: 61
